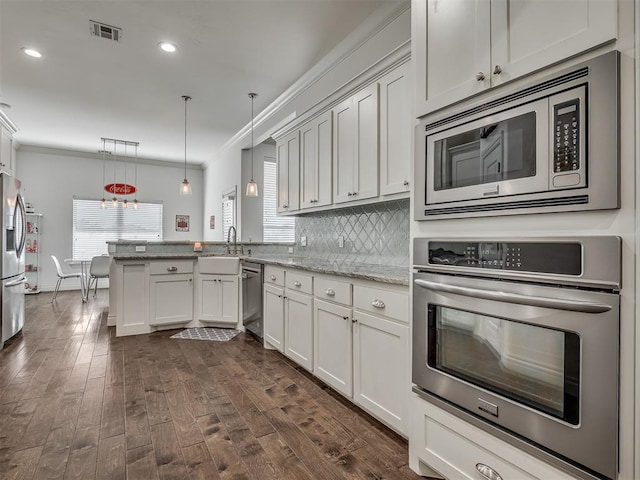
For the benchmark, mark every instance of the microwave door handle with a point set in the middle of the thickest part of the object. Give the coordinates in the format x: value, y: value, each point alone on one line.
x: 534, y: 301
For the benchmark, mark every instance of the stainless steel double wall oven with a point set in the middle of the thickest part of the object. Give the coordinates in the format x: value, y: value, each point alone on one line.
x: 521, y: 337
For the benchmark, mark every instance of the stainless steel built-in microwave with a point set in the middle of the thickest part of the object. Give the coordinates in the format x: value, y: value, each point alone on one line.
x: 550, y: 146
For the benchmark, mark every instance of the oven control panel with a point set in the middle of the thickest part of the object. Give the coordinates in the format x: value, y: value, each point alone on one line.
x: 566, y: 151
x: 539, y: 257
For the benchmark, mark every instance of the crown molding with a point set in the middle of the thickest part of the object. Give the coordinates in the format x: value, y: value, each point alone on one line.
x: 375, y: 23
x: 7, y: 123
x: 97, y: 156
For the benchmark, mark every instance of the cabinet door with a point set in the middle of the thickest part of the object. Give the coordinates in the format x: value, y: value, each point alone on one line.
x: 324, y: 159
x: 451, y: 41
x: 343, y: 151
x: 395, y: 131
x: 381, y: 382
x: 288, y: 158
x: 274, y: 316
x: 299, y: 329
x: 365, y: 176
x: 308, y: 165
x: 529, y: 35
x: 208, y: 299
x: 171, y: 299
x: 332, y: 347
x: 6, y: 151
x: 228, y: 286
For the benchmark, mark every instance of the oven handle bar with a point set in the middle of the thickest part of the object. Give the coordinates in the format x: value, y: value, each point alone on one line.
x: 571, y: 305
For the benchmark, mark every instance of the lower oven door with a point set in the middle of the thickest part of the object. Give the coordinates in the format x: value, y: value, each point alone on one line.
x: 538, y: 361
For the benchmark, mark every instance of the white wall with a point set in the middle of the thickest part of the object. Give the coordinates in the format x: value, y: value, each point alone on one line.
x: 250, y: 227
x: 51, y: 178
x: 380, y: 36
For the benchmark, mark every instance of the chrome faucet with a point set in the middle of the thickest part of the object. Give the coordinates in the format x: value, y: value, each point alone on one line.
x: 235, y: 240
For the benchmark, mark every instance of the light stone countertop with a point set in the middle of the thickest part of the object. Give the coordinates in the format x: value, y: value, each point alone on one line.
x: 393, y: 274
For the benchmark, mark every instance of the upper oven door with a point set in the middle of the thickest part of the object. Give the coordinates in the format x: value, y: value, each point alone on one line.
x: 498, y: 155
x: 537, y: 360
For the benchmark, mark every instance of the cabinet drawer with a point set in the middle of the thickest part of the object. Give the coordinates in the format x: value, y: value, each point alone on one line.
x: 274, y: 275
x: 299, y: 282
x: 334, y: 291
x: 455, y: 449
x: 165, y: 267
x: 382, y: 302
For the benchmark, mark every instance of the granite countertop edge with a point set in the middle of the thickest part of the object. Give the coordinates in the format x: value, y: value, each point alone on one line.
x: 391, y: 274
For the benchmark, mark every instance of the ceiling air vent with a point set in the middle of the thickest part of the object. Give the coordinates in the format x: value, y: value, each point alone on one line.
x: 105, y: 31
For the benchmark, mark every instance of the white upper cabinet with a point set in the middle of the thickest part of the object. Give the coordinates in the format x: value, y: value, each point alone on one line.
x: 316, y: 162
x: 395, y: 131
x: 288, y: 160
x: 355, y: 154
x: 462, y: 47
x: 7, y: 156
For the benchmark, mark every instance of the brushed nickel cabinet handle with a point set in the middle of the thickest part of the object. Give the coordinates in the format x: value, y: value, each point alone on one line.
x: 273, y: 278
x: 172, y: 269
x: 330, y: 292
x: 406, y: 183
x: 354, y: 320
x: 297, y: 284
x: 345, y: 318
x: 497, y: 70
x: 487, y: 472
x: 378, y: 303
x: 480, y: 76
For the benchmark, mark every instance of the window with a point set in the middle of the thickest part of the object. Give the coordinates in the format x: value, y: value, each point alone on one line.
x: 275, y: 229
x: 93, y: 226
x: 228, y: 211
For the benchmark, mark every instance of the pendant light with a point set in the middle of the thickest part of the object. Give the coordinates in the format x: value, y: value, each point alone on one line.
x: 185, y: 187
x: 252, y: 186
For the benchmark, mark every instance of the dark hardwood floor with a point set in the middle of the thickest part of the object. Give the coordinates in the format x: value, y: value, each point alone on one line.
x: 76, y: 402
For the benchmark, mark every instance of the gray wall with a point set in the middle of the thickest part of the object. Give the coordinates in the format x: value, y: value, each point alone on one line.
x: 51, y: 178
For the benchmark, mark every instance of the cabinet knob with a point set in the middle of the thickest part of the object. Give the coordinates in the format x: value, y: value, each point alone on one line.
x: 497, y: 70
x: 487, y: 472
x: 172, y: 269
x: 355, y: 193
x: 480, y: 76
x: 406, y: 183
x: 273, y: 278
x: 345, y: 318
x: 285, y: 206
x: 330, y: 292
x: 349, y: 194
x: 353, y: 320
x: 378, y: 303
x: 297, y: 283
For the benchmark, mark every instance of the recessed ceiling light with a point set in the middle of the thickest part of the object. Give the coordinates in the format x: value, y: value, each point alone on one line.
x: 167, y: 47
x: 31, y: 52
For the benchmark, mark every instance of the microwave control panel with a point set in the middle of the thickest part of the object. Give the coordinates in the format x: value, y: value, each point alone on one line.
x: 566, y: 146
x: 539, y: 257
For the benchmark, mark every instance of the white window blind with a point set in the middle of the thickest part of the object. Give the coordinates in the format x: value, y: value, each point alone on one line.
x: 275, y: 229
x: 93, y: 226
x: 228, y: 214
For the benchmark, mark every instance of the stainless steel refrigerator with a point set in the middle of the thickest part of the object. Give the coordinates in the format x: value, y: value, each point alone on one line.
x: 13, y: 242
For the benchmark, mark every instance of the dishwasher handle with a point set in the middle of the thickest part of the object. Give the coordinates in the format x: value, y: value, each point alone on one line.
x: 506, y: 297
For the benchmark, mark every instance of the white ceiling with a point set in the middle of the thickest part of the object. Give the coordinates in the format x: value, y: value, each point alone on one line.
x: 86, y: 87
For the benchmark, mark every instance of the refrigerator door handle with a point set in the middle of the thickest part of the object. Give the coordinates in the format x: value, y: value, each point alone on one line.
x: 23, y: 233
x: 15, y: 283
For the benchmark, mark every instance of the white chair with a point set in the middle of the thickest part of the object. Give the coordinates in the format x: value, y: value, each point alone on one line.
x: 63, y: 276
x: 99, y: 269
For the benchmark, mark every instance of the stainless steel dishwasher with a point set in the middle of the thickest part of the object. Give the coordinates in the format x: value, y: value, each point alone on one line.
x: 252, y: 298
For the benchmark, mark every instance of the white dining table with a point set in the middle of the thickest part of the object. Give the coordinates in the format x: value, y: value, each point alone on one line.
x: 84, y: 279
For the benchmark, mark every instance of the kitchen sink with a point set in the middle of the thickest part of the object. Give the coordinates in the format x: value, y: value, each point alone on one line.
x: 219, y: 265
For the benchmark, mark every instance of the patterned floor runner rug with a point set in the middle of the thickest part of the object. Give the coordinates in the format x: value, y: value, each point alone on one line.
x: 199, y: 333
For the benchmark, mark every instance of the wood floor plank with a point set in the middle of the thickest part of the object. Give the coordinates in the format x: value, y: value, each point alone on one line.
x: 157, y: 406
x: 199, y: 463
x: 41, y: 422
x: 169, y: 458
x: 141, y: 463
x: 91, y: 409
x: 111, y: 462
x: 112, y: 411
x: 284, y: 459
x: 23, y: 464
x: 185, y: 424
x: 98, y: 367
x: 83, y: 454
x: 228, y: 463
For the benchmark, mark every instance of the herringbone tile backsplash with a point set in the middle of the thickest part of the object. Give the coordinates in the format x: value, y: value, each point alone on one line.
x: 377, y: 233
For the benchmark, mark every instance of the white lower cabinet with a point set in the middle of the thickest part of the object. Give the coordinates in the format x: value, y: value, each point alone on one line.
x: 217, y: 299
x: 441, y: 443
x: 170, y: 298
x: 274, y: 316
x: 333, y: 346
x: 298, y: 321
x: 381, y: 368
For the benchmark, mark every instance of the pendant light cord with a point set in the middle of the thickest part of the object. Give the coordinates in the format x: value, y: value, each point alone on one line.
x: 252, y: 97
x: 186, y: 99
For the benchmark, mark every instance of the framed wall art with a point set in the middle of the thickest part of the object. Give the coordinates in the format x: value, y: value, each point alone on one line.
x: 182, y: 223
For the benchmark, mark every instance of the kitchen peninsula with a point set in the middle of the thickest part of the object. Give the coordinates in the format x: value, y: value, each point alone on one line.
x: 154, y: 285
